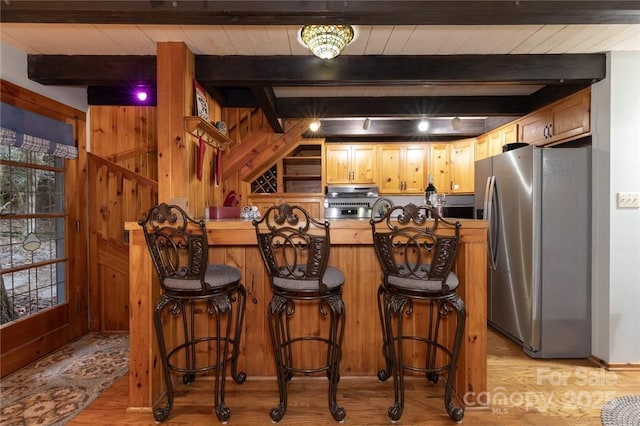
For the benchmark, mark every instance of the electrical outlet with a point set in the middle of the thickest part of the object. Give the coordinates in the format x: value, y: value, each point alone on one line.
x: 628, y: 200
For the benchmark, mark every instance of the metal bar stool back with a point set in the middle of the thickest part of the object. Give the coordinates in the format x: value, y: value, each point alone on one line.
x: 193, y: 292
x: 417, y: 254
x: 295, y: 250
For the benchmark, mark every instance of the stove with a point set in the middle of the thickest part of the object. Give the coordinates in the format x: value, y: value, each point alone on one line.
x: 349, y: 201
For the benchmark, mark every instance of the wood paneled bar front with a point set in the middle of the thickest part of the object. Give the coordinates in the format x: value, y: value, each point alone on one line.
x: 233, y: 241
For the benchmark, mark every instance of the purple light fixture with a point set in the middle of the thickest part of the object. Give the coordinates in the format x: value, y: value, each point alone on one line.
x: 142, y: 95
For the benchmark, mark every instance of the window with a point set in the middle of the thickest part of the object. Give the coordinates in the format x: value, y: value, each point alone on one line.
x: 32, y: 251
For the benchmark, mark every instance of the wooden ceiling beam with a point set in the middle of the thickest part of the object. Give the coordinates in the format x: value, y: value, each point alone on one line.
x: 412, y: 12
x: 280, y: 70
x: 240, y: 71
x: 399, y: 106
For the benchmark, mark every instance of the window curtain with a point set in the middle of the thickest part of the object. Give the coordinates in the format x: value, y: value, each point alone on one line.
x: 34, y: 132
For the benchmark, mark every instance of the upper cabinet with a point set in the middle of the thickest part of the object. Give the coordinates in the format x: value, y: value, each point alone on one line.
x: 461, y: 166
x: 402, y: 169
x: 439, y: 166
x: 559, y: 121
x: 502, y: 136
x: 483, y: 147
x: 452, y: 166
x: 350, y: 163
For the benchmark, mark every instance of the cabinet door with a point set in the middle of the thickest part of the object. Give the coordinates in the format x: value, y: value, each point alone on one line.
x: 510, y: 134
x: 571, y: 117
x: 363, y: 161
x: 439, y: 155
x: 414, y: 170
x: 501, y: 137
x: 389, y: 181
x: 263, y: 203
x: 496, y: 141
x: 483, y: 147
x: 461, y: 167
x: 534, y: 129
x: 337, y: 159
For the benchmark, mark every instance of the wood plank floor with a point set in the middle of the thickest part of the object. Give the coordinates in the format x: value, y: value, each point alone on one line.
x: 521, y: 391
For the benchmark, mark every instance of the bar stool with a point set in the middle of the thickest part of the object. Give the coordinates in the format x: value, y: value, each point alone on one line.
x: 295, y: 251
x: 190, y: 286
x: 416, y: 255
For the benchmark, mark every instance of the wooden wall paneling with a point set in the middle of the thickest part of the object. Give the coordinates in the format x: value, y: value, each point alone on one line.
x: 361, y: 348
x: 96, y: 174
x: 281, y: 144
x: 116, y: 195
x: 77, y: 236
x: 114, y: 289
x: 258, y: 352
x: 143, y: 375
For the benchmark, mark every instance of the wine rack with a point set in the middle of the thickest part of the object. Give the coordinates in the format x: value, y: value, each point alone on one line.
x: 267, y: 183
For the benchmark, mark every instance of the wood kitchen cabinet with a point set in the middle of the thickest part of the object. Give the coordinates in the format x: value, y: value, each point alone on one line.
x: 559, y: 121
x: 452, y: 166
x: 483, y: 147
x: 439, y: 166
x: 350, y: 163
x: 502, y: 136
x: 402, y: 169
x: 461, y: 166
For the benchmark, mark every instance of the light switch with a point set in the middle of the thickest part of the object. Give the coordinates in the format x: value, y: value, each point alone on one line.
x: 628, y: 200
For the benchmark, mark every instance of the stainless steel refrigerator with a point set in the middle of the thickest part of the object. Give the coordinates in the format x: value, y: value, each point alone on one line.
x: 538, y: 204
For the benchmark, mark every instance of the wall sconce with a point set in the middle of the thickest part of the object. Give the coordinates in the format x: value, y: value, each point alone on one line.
x: 456, y: 123
x: 366, y: 124
x: 423, y: 125
x: 326, y: 41
x: 314, y: 125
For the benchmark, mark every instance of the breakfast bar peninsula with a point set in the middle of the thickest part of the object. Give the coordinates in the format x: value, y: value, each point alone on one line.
x: 233, y: 241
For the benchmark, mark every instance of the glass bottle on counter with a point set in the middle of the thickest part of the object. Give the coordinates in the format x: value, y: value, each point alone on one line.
x: 430, y: 192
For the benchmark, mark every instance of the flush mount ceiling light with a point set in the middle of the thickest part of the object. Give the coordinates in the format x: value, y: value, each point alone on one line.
x: 314, y: 125
x: 423, y: 125
x: 326, y: 41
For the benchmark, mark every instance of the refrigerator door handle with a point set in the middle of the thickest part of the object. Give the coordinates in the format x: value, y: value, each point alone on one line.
x: 489, y: 204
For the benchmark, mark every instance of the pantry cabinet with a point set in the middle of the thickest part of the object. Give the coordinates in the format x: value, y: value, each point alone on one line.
x: 559, y: 121
x: 402, y: 169
x: 350, y: 163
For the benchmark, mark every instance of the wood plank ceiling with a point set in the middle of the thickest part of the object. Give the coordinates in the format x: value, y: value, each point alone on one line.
x: 487, y: 62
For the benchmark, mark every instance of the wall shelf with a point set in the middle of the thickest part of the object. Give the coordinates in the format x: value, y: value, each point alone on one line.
x: 198, y: 127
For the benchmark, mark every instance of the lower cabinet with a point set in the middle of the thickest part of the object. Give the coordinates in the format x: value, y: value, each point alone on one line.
x: 313, y: 204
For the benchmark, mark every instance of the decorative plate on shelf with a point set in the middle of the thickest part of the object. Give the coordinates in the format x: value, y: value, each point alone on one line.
x: 202, y: 106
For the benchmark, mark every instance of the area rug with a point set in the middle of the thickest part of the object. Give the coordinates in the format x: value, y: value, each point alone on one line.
x: 56, y: 388
x: 621, y: 411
